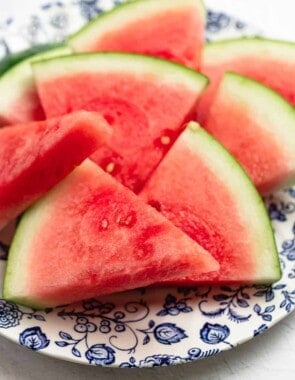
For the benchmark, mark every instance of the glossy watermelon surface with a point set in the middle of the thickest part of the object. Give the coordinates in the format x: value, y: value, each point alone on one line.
x: 146, y: 100
x: 203, y: 190
x: 91, y: 236
x: 37, y: 155
x: 169, y: 29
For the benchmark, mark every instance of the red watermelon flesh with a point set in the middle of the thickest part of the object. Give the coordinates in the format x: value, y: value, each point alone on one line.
x: 145, y: 100
x: 170, y: 29
x: 258, y: 127
x: 37, y: 155
x: 267, y: 61
x: 91, y: 236
x: 201, y: 189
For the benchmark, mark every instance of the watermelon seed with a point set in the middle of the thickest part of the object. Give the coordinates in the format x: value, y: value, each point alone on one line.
x: 165, y: 140
x: 104, y: 224
x: 110, y: 167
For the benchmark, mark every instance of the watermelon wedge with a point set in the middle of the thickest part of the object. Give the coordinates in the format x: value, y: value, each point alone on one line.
x: 19, y: 102
x: 201, y: 189
x: 170, y: 29
x: 146, y: 100
x: 91, y: 236
x: 37, y: 155
x: 270, y: 62
x: 257, y: 126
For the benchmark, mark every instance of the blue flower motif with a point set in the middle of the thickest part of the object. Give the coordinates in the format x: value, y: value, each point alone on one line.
x: 169, y: 333
x: 10, y: 315
x: 214, y: 333
x: 34, y: 339
x: 100, y: 354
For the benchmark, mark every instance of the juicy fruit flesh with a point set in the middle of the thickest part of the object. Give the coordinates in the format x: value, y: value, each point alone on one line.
x: 279, y: 75
x: 171, y: 35
x: 96, y: 237
x: 37, y: 155
x: 255, y: 148
x: 143, y: 129
x: 170, y: 191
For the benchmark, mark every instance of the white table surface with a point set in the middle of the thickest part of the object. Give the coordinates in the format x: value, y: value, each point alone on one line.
x: 271, y: 355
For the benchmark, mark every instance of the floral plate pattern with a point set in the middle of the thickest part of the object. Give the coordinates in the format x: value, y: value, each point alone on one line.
x: 146, y: 328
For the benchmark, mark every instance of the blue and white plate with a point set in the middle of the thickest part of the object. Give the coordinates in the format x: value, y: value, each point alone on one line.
x: 147, y: 327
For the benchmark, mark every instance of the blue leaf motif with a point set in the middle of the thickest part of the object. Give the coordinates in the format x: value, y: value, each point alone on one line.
x: 169, y: 333
x: 76, y: 352
x: 267, y: 317
x: 61, y: 343
x: 65, y: 335
x: 269, y: 309
x: 146, y: 340
x: 162, y: 313
x: 214, y: 333
x: 257, y: 308
x: 242, y: 302
x: 221, y: 297
x: 39, y: 317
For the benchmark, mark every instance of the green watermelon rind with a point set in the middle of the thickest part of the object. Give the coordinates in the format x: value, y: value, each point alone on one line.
x: 19, y: 78
x: 16, y: 252
x: 249, y: 201
x: 13, y: 59
x: 215, y: 53
x: 268, y: 108
x: 166, y: 71
x: 123, y: 14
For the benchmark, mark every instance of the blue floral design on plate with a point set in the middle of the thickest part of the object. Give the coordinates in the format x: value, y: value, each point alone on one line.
x: 100, y: 354
x: 214, y: 333
x: 10, y: 315
x: 34, y: 338
x: 147, y: 327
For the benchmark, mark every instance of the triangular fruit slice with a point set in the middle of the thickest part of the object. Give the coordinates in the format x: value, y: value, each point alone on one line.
x: 268, y: 61
x: 201, y: 189
x: 37, y: 155
x: 257, y: 126
x: 19, y: 101
x: 146, y: 100
x: 91, y: 236
x: 170, y: 29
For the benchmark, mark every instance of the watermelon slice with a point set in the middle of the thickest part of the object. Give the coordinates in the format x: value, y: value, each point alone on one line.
x: 91, y: 236
x: 201, y: 189
x: 37, y: 155
x: 268, y: 61
x: 258, y: 127
x: 19, y: 101
x: 146, y: 100
x: 170, y: 29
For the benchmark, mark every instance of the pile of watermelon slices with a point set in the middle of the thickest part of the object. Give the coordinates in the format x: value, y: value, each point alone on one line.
x: 137, y: 156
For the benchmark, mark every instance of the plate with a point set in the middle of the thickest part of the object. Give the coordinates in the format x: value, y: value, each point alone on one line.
x: 147, y: 327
